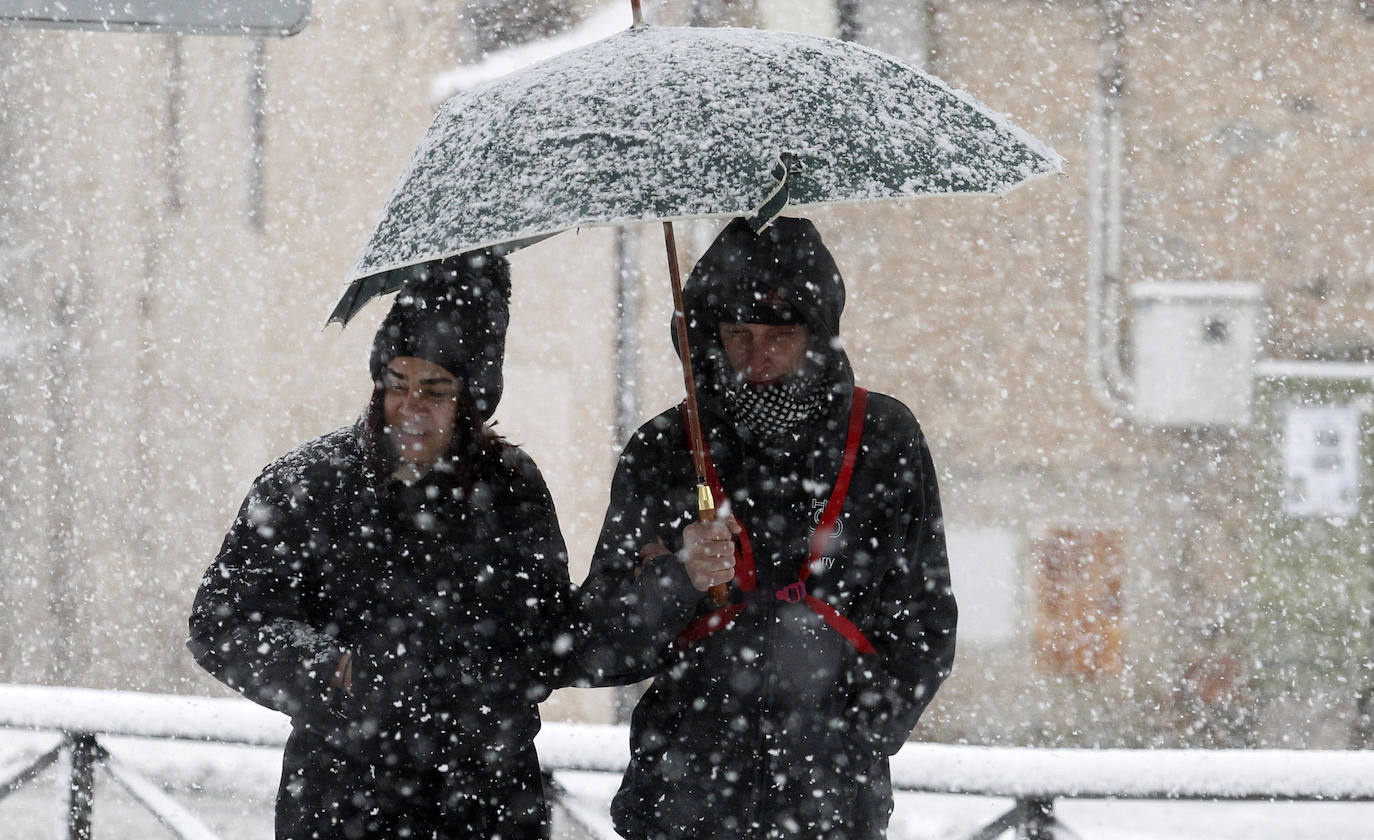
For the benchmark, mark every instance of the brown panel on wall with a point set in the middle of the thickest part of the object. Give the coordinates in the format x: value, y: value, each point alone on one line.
x: 1078, y: 629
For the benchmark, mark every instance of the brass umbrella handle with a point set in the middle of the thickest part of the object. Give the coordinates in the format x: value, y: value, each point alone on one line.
x: 706, y: 512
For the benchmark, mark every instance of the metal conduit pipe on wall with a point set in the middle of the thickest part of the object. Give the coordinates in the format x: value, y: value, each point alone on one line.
x: 1105, y: 140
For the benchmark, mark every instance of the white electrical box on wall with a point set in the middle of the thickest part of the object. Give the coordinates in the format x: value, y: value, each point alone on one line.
x: 1321, y: 460
x: 1193, y: 349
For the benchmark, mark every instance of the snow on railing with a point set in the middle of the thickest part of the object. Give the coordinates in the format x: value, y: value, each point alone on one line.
x: 137, y: 714
x: 1034, y: 778
x: 1031, y: 773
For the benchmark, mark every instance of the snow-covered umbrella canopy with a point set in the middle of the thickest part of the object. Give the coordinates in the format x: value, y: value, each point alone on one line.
x: 659, y: 123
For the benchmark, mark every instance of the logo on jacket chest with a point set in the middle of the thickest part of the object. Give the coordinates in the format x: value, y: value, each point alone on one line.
x: 826, y: 561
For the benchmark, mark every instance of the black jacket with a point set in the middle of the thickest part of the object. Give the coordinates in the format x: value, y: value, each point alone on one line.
x: 775, y: 725
x: 739, y: 728
x: 459, y: 613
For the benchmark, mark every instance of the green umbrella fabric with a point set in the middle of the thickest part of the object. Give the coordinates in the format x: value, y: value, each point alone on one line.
x: 666, y: 123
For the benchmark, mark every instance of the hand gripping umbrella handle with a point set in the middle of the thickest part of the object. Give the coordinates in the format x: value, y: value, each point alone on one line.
x: 706, y: 512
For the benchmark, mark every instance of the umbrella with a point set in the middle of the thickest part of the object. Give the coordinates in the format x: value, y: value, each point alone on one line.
x: 665, y: 123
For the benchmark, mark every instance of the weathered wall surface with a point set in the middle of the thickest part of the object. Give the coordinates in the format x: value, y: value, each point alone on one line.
x: 167, y: 260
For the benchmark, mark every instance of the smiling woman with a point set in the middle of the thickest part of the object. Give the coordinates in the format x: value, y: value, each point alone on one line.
x: 420, y: 406
x: 399, y: 587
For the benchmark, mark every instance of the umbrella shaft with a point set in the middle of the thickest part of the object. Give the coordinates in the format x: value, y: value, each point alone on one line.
x: 691, y: 415
x: 706, y: 505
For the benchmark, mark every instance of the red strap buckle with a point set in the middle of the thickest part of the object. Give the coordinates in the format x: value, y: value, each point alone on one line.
x: 792, y: 592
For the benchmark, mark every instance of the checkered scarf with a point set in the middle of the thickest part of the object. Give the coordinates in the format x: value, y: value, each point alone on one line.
x: 769, y: 411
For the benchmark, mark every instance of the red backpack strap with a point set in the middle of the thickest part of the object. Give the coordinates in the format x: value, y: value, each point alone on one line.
x: 706, y: 625
x: 821, y: 536
x: 840, y: 624
x: 744, y: 554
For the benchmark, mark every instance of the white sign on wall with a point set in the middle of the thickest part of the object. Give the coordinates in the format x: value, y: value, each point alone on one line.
x: 1321, y: 461
x: 983, y: 573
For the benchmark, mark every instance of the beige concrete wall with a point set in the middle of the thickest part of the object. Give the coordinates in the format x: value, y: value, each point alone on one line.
x: 1246, y: 160
x: 194, y: 349
x: 197, y: 352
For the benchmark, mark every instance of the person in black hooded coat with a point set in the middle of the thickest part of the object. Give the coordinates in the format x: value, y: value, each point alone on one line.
x: 775, y: 715
x: 399, y: 587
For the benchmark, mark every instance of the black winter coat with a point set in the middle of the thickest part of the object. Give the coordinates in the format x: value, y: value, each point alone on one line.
x: 459, y: 614
x: 776, y: 725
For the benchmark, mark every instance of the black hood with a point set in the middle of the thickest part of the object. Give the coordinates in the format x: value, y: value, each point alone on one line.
x: 453, y: 313
x: 783, y: 273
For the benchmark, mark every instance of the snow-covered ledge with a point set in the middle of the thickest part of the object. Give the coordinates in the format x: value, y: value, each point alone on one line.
x: 138, y: 714
x: 1022, y: 773
x: 1015, y: 772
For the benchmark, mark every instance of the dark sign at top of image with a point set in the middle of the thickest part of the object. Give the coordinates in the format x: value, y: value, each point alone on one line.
x: 259, y: 18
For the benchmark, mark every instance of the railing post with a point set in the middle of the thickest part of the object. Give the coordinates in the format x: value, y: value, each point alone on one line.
x: 1036, y: 820
x: 82, y: 752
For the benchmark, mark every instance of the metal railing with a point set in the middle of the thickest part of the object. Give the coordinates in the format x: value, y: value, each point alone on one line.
x: 1034, y: 779
x: 81, y: 718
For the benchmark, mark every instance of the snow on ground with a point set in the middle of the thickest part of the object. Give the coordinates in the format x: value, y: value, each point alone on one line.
x: 1140, y: 773
x: 231, y: 789
x: 947, y: 817
x: 925, y: 816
